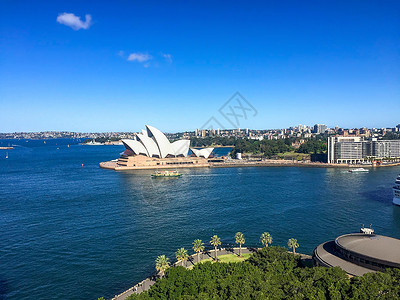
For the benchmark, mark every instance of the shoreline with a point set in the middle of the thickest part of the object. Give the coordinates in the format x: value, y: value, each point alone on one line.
x: 112, y: 165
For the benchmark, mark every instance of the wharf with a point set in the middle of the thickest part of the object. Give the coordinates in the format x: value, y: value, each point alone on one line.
x: 274, y: 163
x: 112, y: 165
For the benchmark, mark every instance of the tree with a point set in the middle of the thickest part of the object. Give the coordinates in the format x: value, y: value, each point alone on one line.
x: 162, y: 263
x: 266, y: 239
x: 239, y: 238
x: 215, y: 241
x: 182, y: 255
x: 198, y: 246
x: 292, y: 243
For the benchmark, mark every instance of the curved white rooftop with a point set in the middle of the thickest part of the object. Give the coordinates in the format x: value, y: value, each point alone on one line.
x: 202, y: 152
x: 153, y: 143
x: 164, y: 146
x: 150, y: 144
x: 135, y: 146
x: 181, y: 147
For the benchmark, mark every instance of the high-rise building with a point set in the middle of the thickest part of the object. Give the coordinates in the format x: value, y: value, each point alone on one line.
x: 355, y: 150
x: 320, y: 128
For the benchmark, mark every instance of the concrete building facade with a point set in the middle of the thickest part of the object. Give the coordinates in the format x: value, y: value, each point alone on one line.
x: 356, y: 150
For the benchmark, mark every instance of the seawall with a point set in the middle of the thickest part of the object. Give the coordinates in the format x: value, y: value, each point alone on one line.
x: 112, y: 165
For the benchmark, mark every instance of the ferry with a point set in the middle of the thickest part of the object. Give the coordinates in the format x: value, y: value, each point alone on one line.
x: 358, y: 170
x: 159, y: 174
x: 396, y: 191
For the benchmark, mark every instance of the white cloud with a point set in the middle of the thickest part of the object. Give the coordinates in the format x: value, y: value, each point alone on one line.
x: 168, y: 57
x: 74, y: 22
x: 139, y: 57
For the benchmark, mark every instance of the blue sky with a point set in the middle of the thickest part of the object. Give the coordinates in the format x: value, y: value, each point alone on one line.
x: 173, y: 64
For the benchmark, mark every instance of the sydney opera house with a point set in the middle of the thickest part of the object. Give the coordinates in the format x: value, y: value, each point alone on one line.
x: 151, y: 149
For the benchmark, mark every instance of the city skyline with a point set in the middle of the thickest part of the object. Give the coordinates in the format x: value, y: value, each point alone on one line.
x: 299, y: 131
x: 79, y: 67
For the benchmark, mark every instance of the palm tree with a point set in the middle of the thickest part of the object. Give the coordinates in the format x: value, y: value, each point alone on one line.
x: 266, y: 239
x: 292, y: 243
x: 239, y: 237
x: 182, y: 255
x: 198, y: 246
x: 162, y: 263
x: 215, y: 241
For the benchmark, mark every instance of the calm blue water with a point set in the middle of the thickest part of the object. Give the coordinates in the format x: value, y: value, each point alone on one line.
x: 73, y: 232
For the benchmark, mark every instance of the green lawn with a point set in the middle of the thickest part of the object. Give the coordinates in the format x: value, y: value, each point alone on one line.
x: 294, y: 154
x: 228, y: 258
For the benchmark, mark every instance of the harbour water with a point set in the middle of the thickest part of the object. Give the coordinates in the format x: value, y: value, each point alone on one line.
x: 73, y: 231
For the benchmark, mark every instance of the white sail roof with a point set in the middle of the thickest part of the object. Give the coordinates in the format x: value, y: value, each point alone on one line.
x: 181, y: 147
x: 150, y: 144
x: 153, y: 143
x: 205, y: 152
x: 161, y: 140
x: 135, y: 146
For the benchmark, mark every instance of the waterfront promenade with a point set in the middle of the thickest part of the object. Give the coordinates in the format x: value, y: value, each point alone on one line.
x: 233, y: 163
x: 145, y: 285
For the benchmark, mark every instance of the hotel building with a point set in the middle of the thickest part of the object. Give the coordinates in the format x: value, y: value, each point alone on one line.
x: 356, y: 150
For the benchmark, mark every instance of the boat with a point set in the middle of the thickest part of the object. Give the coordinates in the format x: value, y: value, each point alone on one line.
x: 369, y: 230
x: 358, y: 170
x: 93, y: 143
x: 6, y: 154
x: 159, y: 174
x: 396, y: 191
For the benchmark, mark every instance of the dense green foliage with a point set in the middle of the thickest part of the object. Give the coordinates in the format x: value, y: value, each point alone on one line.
x: 267, y: 148
x: 271, y: 148
x: 392, y: 136
x: 271, y: 273
x: 313, y: 146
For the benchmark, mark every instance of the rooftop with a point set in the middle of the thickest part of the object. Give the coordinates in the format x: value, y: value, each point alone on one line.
x: 327, y: 254
x: 377, y: 247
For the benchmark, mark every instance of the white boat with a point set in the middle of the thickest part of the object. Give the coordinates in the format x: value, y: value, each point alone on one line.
x: 396, y: 191
x: 358, y: 170
x: 93, y: 143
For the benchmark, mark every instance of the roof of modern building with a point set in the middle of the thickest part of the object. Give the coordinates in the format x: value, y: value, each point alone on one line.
x: 374, y: 246
x: 326, y: 253
x: 153, y: 143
